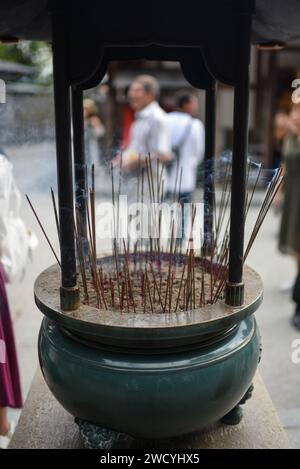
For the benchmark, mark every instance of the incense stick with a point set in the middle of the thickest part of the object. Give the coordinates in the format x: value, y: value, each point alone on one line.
x: 42, y: 228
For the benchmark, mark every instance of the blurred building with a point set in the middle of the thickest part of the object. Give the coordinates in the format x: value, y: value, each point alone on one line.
x: 272, y: 73
x: 28, y: 114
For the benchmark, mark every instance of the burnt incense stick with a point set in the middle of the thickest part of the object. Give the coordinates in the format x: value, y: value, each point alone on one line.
x: 122, y: 296
x: 113, y: 200
x: 118, y: 200
x: 156, y: 286
x: 149, y: 291
x: 55, y: 213
x: 169, y: 266
x: 273, y: 189
x: 128, y: 276
x: 253, y: 191
x: 101, y: 285
x: 144, y: 292
x: 93, y: 215
x: 176, y: 179
x: 126, y: 290
x: 158, y: 277
x: 116, y: 259
x: 184, y: 267
x: 111, y: 286
x: 81, y: 255
x: 42, y: 228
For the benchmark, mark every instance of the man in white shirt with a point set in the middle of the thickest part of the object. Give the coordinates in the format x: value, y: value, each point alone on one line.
x: 188, y: 144
x: 187, y: 141
x: 149, y: 137
x: 149, y: 134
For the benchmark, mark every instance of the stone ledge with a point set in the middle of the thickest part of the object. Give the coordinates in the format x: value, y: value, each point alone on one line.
x: 44, y: 424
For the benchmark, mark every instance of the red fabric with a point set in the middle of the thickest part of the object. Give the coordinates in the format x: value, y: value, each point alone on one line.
x: 128, y: 118
x: 10, y: 387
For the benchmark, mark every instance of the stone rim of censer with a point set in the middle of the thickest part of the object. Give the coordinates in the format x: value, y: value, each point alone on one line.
x: 128, y: 329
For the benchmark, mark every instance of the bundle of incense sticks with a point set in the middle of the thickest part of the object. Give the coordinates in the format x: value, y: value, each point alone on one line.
x: 152, y: 277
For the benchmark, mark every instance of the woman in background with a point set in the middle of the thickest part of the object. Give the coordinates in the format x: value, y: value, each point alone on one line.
x: 281, y: 128
x: 93, y: 131
x: 10, y: 388
x: 289, y: 237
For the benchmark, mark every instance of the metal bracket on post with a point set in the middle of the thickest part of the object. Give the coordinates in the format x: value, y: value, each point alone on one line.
x: 69, y: 298
x: 234, y: 294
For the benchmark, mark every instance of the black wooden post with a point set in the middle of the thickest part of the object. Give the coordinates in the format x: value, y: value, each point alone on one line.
x: 235, y: 287
x: 69, y: 293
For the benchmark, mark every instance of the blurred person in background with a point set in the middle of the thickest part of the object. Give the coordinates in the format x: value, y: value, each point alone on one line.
x: 281, y: 128
x: 149, y: 133
x: 148, y: 141
x: 94, y: 131
x: 289, y: 237
x: 10, y: 240
x: 188, y: 143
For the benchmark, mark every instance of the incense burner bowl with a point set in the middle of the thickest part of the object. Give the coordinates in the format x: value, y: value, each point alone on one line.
x: 148, y: 376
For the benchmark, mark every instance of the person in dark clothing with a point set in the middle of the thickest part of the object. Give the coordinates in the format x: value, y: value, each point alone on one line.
x: 296, y: 299
x: 289, y: 236
x: 10, y: 385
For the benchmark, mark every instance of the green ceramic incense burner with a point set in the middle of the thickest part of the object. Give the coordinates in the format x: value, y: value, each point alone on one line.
x: 148, y: 376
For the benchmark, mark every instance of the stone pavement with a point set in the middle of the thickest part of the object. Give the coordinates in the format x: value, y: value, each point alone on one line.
x: 35, y: 172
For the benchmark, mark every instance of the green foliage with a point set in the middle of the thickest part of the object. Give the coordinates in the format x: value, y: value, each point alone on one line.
x: 24, y: 52
x: 11, y: 53
x: 33, y: 53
